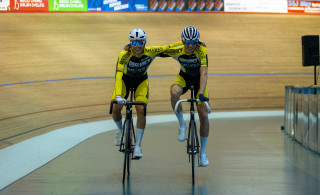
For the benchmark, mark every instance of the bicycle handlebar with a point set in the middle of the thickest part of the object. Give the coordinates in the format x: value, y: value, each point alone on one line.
x: 191, y: 100
x: 130, y: 103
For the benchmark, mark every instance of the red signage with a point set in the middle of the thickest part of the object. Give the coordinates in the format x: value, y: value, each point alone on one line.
x: 304, y: 6
x: 28, y: 5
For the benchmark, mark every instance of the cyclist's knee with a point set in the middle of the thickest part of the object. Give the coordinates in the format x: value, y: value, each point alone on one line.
x: 203, y: 116
x: 116, y: 112
x: 175, y: 91
x: 116, y: 109
x: 140, y: 113
x: 140, y: 110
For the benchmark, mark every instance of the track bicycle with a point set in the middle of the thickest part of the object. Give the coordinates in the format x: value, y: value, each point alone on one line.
x: 193, y: 146
x: 128, y: 135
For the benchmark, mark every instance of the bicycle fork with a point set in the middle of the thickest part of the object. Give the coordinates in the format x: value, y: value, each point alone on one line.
x: 190, y: 149
x: 128, y: 116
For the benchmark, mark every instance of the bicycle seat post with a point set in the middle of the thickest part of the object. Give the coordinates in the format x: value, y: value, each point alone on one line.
x: 192, y: 91
x: 129, y: 103
x: 131, y: 94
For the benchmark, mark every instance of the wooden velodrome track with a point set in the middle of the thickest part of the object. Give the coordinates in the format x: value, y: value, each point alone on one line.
x: 57, y: 69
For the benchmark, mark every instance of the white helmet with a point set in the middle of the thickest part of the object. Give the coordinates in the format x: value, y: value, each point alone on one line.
x: 137, y: 34
x: 190, y: 33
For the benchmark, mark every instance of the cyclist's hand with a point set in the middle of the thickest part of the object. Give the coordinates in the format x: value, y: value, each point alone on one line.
x: 203, y: 98
x: 120, y: 100
x: 127, y: 47
x: 200, y: 43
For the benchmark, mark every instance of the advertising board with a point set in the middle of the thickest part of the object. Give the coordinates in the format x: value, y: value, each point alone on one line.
x: 117, y: 5
x: 67, y: 5
x: 185, y: 5
x: 24, y: 5
x: 4, y: 5
x: 267, y: 6
x: 304, y: 6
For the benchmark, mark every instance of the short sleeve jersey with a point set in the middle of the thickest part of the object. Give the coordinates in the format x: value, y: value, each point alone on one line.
x: 134, y: 65
x: 190, y: 63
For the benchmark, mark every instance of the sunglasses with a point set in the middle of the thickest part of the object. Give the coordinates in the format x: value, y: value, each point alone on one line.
x: 191, y: 42
x: 137, y: 43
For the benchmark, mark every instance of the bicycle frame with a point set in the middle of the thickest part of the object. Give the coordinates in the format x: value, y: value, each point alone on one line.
x: 127, y: 145
x: 193, y: 146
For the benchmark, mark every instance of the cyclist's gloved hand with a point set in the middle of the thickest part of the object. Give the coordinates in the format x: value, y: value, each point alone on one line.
x: 200, y: 43
x: 127, y: 47
x: 120, y: 100
x: 202, y: 98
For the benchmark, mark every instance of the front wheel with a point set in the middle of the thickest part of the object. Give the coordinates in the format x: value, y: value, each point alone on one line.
x: 193, y: 149
x: 127, y: 149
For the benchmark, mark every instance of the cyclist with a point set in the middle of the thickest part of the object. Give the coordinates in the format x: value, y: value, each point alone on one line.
x: 131, y: 72
x: 192, y: 56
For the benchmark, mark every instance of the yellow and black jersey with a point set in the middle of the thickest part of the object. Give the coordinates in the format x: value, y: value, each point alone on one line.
x: 135, y: 66
x: 190, y: 63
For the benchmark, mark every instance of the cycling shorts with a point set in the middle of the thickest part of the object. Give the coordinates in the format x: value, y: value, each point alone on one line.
x: 140, y: 85
x: 185, y: 81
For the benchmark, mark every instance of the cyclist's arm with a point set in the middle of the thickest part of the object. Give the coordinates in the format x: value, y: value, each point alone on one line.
x: 164, y: 47
x: 119, y: 73
x: 176, y: 44
x: 203, y: 69
x: 203, y: 78
x: 118, y: 83
x: 156, y: 50
x: 162, y: 50
x: 171, y: 52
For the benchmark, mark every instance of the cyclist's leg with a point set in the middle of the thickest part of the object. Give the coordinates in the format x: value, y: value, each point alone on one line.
x: 141, y: 123
x: 175, y: 93
x: 116, y: 114
x: 116, y: 111
x: 204, y: 129
x: 176, y: 90
x: 204, y: 121
x: 141, y: 95
x: 203, y: 115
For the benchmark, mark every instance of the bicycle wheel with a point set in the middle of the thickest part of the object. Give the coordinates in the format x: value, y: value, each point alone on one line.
x: 130, y: 149
x: 192, y: 149
x: 127, y: 149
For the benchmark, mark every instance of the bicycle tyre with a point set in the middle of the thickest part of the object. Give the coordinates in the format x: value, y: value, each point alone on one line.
x: 193, y: 150
x: 130, y: 149
x: 127, y: 148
